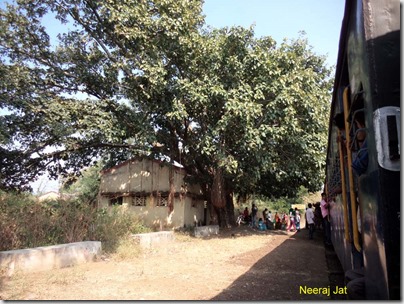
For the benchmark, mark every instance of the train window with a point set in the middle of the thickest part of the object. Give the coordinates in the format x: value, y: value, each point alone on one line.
x: 334, y: 180
x: 358, y: 130
x: 386, y: 121
x: 357, y: 121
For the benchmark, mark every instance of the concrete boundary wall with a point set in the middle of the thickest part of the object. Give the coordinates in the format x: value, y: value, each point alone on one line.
x: 148, y: 240
x: 49, y: 257
x: 202, y: 231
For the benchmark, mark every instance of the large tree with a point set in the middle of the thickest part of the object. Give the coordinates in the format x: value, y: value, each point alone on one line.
x: 97, y: 90
x: 143, y: 77
x: 255, y: 116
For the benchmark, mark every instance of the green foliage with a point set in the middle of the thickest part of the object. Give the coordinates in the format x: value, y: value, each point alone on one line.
x: 26, y: 223
x: 142, y: 77
x: 280, y: 204
x: 81, y: 95
x: 258, y: 111
x: 86, y: 187
x: 114, y: 224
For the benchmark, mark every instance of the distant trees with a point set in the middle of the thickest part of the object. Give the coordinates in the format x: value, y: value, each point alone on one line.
x: 145, y: 78
x: 86, y: 187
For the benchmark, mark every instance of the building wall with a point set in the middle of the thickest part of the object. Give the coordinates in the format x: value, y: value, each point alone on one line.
x: 146, y: 178
x: 186, y: 212
x: 143, y: 176
x: 194, y: 212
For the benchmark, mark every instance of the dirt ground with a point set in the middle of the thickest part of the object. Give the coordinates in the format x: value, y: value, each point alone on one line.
x: 238, y: 264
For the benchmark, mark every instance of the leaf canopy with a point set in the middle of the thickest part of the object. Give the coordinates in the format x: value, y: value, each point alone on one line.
x: 140, y: 77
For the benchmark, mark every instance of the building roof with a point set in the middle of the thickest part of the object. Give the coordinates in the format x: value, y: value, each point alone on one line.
x: 49, y: 195
x: 177, y: 167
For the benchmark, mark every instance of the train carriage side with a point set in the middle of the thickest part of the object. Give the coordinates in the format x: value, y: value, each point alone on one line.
x: 365, y: 215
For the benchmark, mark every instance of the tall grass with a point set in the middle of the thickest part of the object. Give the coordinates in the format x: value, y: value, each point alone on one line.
x: 26, y: 223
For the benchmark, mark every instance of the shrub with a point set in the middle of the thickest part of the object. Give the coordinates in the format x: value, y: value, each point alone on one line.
x: 112, y: 224
x: 126, y: 248
x: 26, y: 223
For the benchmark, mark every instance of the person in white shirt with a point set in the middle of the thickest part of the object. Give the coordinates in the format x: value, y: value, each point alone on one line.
x: 310, y: 221
x: 270, y: 224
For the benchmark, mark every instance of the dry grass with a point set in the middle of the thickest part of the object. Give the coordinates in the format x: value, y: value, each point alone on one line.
x: 188, y: 268
x: 126, y: 249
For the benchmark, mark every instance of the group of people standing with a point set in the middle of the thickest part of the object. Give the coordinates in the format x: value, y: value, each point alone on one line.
x: 317, y: 216
x: 252, y: 219
x: 313, y: 219
x: 268, y: 221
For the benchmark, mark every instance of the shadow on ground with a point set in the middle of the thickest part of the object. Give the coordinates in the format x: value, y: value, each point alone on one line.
x: 285, y: 273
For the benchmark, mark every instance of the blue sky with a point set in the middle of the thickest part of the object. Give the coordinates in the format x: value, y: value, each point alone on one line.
x: 320, y: 19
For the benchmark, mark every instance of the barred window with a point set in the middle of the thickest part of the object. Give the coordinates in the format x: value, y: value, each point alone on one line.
x: 139, y: 200
x: 334, y: 181
x: 162, y: 200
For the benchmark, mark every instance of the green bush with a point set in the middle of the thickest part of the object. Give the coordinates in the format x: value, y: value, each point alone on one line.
x: 27, y: 223
x: 113, y: 224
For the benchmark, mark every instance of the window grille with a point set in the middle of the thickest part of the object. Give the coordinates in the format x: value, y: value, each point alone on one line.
x: 139, y: 200
x: 334, y: 182
x: 162, y: 200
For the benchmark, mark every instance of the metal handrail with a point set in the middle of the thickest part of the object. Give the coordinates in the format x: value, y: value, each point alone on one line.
x: 350, y: 174
x: 343, y: 186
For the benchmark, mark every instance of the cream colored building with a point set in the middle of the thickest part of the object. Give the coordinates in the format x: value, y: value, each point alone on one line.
x: 51, y: 195
x: 143, y: 186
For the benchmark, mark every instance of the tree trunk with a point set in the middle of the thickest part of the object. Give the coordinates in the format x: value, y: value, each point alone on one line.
x: 172, y: 189
x: 222, y: 216
x: 218, y: 198
x: 230, y: 209
x: 218, y: 195
x: 222, y: 200
x: 213, y: 215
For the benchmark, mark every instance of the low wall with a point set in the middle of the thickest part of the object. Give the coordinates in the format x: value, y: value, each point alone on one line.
x: 202, y: 231
x: 49, y: 257
x: 148, y: 240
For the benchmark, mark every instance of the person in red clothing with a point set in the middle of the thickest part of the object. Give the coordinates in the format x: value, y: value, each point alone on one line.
x: 278, y: 224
